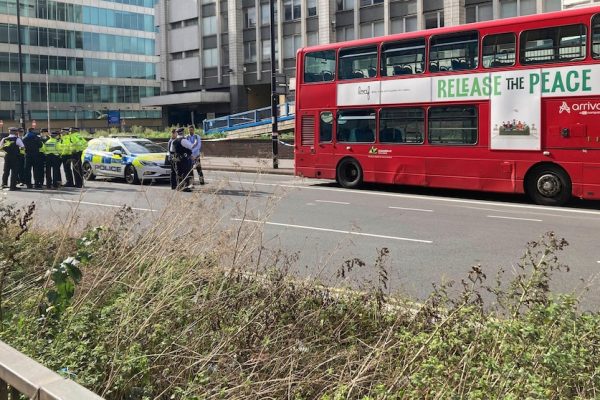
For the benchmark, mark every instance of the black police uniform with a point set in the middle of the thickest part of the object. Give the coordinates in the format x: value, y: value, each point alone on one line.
x: 12, y: 161
x: 33, y: 160
x: 181, y: 164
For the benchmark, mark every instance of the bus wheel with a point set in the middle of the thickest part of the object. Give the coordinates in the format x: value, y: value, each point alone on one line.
x: 349, y: 173
x: 549, y: 185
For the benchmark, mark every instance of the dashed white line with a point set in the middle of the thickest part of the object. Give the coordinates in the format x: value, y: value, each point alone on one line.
x: 88, y: 203
x: 514, y: 218
x: 332, y: 202
x: 410, y: 209
x: 314, y: 228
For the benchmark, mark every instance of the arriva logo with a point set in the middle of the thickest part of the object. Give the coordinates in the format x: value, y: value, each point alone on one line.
x: 587, y: 108
x: 564, y: 108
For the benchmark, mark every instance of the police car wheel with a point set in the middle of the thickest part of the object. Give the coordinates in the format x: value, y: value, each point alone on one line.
x: 131, y: 175
x: 88, y: 172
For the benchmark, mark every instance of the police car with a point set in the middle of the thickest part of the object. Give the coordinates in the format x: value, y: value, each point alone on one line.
x: 131, y: 158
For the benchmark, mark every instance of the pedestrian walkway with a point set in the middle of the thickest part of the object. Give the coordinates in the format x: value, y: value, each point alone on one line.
x: 264, y: 165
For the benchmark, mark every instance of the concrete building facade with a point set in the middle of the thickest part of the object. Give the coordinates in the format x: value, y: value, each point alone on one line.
x: 215, y: 55
x: 95, y: 55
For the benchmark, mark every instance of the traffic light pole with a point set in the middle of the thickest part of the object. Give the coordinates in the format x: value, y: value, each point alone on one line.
x: 274, y: 96
x: 22, y: 119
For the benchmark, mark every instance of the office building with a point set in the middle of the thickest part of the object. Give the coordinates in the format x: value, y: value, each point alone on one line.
x: 98, y: 56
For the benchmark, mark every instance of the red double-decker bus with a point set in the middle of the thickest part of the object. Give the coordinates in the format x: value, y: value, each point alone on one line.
x: 504, y: 106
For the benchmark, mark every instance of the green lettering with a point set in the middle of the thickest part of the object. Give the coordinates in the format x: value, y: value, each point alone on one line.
x: 464, y: 87
x: 545, y: 81
x: 451, y: 88
x: 558, y: 83
x: 586, y: 80
x: 487, y: 84
x: 534, y: 80
x: 572, y: 81
x: 476, y: 89
x: 497, y: 83
x: 442, y: 93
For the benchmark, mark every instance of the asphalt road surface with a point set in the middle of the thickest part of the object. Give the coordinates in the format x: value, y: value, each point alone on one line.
x: 432, y: 235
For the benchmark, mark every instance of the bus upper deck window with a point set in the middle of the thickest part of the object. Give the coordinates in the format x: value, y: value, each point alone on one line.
x: 358, y: 63
x: 499, y: 50
x: 553, y: 45
x: 403, y: 58
x: 319, y: 66
x: 596, y: 36
x: 454, y: 52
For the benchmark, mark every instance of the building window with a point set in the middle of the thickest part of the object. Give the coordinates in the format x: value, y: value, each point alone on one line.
x: 343, y: 5
x: 403, y: 58
x: 371, y: 29
x: 319, y: 66
x: 265, y: 14
x: 552, y: 5
x: 553, y: 45
x: 190, y: 22
x: 404, y: 24
x: 358, y: 63
x: 250, y: 17
x: 210, y: 58
x: 499, y: 50
x: 434, y: 19
x: 311, y: 8
x: 250, y: 51
x: 291, y: 10
x: 266, y: 50
x: 402, y: 125
x: 345, y: 33
x: 453, y: 125
x: 312, y: 38
x: 209, y: 26
x: 454, y: 52
x: 480, y: 12
x: 366, y: 3
x: 290, y: 45
x: 356, y: 126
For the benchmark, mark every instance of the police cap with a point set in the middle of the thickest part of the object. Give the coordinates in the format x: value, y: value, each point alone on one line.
x: 180, y: 130
x: 55, y: 133
x: 13, y: 129
x: 44, y: 130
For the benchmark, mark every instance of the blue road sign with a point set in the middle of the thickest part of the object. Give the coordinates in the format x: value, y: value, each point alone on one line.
x: 114, y: 117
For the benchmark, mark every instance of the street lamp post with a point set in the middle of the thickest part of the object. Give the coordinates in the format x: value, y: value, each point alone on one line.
x: 76, y: 110
x: 274, y: 97
x: 22, y: 119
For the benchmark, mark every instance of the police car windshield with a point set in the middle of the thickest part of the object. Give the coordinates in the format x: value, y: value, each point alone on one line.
x: 142, y: 147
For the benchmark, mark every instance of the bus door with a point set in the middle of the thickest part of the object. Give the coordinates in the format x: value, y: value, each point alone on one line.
x: 325, y: 149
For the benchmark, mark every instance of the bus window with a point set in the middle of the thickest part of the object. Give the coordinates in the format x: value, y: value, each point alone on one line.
x: 356, y: 126
x: 453, y: 125
x: 358, y: 63
x: 326, y: 127
x: 553, y: 45
x: 596, y: 36
x: 455, y: 52
x: 319, y: 66
x: 499, y: 50
x: 401, y: 125
x: 403, y: 58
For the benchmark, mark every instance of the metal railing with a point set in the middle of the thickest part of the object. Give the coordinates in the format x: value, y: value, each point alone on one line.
x: 247, y: 119
x: 22, y: 376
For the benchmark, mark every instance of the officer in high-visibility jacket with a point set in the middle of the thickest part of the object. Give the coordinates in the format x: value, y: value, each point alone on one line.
x: 78, y: 145
x: 52, y: 153
x: 11, y: 145
x: 66, y: 155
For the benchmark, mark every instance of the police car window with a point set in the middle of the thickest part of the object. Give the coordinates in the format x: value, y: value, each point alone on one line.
x: 114, y: 147
x: 139, y: 147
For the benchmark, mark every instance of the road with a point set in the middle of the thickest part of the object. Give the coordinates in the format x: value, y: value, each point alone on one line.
x: 432, y: 235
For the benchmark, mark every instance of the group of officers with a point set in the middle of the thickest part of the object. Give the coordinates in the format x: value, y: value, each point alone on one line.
x: 41, y: 155
x: 184, y: 157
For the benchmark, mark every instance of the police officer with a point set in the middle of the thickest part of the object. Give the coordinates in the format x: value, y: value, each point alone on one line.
x: 51, y: 150
x: 11, y: 145
x: 196, y: 142
x: 66, y: 156
x: 21, y: 169
x: 33, y: 160
x: 78, y: 145
x: 181, y: 161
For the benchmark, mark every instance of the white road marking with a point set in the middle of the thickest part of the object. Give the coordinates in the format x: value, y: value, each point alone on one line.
x: 332, y: 202
x: 101, y: 205
x: 409, y: 209
x: 314, y: 228
x: 514, y: 218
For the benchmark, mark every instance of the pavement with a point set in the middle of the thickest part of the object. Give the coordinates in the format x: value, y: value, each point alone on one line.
x: 263, y: 165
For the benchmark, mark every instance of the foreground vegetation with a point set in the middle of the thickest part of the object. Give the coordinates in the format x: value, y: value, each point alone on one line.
x: 138, y: 310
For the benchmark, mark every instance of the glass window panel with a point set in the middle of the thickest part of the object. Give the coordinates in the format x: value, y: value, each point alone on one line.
x: 403, y: 58
x: 319, y: 66
x: 453, y: 125
x: 402, y: 125
x: 596, y: 36
x: 553, y: 45
x: 358, y: 63
x: 326, y: 127
x: 356, y: 126
x: 508, y: 8
x: 499, y: 50
x: 454, y: 52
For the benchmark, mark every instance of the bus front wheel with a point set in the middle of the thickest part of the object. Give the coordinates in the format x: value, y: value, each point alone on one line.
x: 549, y: 185
x: 349, y: 173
